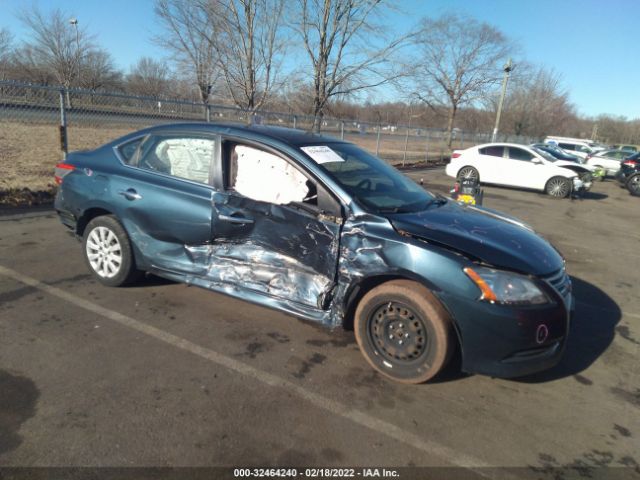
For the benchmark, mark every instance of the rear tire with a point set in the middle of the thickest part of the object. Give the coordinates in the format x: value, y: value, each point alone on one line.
x: 633, y: 184
x: 558, y: 187
x: 107, y: 252
x: 468, y: 172
x: 403, y: 331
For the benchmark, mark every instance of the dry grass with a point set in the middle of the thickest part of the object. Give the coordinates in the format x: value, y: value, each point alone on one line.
x: 29, y: 153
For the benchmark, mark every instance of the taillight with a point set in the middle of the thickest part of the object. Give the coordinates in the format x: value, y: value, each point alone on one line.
x: 630, y: 163
x: 455, y: 155
x: 62, y: 170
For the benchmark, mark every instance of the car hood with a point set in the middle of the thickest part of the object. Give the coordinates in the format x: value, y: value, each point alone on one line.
x: 490, y: 236
x: 584, y: 166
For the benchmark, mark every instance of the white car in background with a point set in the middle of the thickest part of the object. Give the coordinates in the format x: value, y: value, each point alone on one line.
x: 609, y: 160
x: 575, y: 146
x: 516, y: 165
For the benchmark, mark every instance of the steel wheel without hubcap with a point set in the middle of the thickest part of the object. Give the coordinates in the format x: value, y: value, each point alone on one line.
x: 403, y: 331
x: 558, y: 187
x: 468, y: 173
x: 104, y: 252
x: 399, y: 334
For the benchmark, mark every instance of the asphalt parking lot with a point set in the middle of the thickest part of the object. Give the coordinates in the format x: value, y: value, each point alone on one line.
x: 161, y: 374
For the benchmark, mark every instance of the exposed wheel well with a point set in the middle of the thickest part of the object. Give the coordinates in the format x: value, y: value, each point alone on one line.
x: 87, y: 216
x: 359, y: 291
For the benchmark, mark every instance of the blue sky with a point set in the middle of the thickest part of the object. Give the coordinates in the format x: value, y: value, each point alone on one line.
x: 592, y: 44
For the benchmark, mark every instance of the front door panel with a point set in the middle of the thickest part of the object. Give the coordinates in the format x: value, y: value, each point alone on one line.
x: 280, y: 250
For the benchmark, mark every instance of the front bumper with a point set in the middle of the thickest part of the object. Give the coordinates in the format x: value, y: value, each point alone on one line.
x: 511, y: 341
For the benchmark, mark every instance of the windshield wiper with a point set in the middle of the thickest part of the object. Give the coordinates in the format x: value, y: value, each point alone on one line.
x: 438, y: 201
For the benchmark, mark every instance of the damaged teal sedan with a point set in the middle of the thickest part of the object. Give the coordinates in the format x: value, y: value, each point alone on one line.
x: 320, y: 229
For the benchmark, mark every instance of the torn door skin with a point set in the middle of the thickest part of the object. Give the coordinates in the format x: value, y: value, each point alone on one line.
x: 276, y: 280
x: 239, y: 264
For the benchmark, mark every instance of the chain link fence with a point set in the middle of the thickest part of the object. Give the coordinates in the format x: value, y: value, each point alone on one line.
x: 38, y: 124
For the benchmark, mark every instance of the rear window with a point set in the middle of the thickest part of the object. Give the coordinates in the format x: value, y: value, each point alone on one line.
x: 493, y: 151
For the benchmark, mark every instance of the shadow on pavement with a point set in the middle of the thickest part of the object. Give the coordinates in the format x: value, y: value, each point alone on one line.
x: 18, y: 400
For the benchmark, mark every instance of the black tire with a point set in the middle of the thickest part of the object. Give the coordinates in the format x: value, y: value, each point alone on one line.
x: 468, y: 172
x: 403, y: 331
x: 633, y: 184
x: 104, y: 252
x: 558, y: 187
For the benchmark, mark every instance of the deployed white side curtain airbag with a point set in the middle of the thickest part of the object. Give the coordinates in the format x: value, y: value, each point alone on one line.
x: 268, y: 178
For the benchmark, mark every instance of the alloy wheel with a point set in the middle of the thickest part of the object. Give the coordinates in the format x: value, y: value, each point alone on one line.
x: 634, y: 184
x: 558, y: 187
x: 104, y: 252
x: 468, y: 173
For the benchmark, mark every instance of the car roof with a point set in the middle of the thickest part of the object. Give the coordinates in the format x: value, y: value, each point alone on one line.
x: 501, y: 144
x: 291, y: 136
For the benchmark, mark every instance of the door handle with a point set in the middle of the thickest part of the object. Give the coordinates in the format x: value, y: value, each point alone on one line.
x: 130, y: 194
x: 236, y: 220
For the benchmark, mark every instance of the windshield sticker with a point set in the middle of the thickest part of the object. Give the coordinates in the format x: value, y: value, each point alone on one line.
x: 322, y: 154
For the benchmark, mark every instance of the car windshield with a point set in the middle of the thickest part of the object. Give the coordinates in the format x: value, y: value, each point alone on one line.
x: 371, y: 181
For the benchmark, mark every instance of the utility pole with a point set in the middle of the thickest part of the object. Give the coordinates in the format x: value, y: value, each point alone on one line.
x: 74, y: 22
x: 507, y: 70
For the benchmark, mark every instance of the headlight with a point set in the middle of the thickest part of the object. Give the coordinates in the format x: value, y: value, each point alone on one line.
x: 506, y: 287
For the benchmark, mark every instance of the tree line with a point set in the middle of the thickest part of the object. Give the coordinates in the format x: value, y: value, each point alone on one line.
x: 319, y: 58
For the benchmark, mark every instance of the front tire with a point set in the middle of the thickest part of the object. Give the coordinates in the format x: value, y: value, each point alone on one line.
x: 107, y: 252
x: 633, y: 184
x: 558, y: 187
x: 403, y: 331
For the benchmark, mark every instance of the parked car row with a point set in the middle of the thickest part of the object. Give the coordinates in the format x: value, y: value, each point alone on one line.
x: 521, y: 166
x: 546, y: 167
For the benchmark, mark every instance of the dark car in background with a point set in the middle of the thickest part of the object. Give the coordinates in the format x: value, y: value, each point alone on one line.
x: 629, y: 174
x: 320, y: 229
x: 557, y: 152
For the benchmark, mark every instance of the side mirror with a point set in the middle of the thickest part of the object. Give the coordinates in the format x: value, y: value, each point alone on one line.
x: 536, y: 160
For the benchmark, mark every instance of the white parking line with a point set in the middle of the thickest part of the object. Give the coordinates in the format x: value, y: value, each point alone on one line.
x: 448, y: 455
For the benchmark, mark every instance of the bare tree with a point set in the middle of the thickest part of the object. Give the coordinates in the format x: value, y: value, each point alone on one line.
x: 6, y: 52
x: 97, y: 71
x: 188, y: 30
x: 55, y: 45
x: 537, y: 104
x: 149, y: 78
x: 246, y: 36
x: 26, y: 66
x: 460, y: 60
x: 338, y: 38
